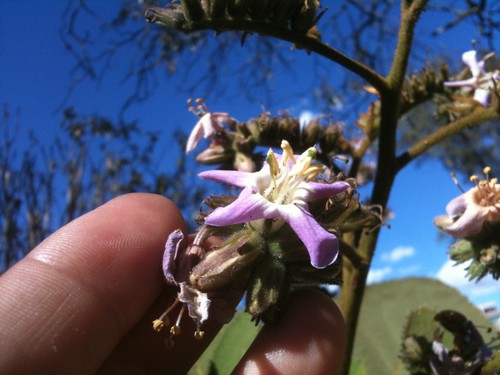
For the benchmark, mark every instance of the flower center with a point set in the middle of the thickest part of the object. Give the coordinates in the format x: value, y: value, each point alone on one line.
x: 289, y: 173
x: 488, y: 190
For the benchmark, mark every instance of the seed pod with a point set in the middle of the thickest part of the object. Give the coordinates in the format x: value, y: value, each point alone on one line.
x: 259, y: 9
x: 304, y: 16
x: 238, y: 8
x: 217, y: 9
x: 282, y: 11
x: 168, y: 17
x: 193, y: 10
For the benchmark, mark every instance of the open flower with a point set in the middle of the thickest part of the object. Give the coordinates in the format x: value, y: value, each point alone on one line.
x: 481, y: 81
x: 281, y: 191
x: 467, y: 213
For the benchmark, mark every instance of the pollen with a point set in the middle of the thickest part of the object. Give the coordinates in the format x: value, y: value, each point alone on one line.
x: 198, y: 335
x: 175, y: 330
x: 158, y: 325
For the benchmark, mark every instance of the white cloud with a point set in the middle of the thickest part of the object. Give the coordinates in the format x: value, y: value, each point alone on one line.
x: 455, y: 276
x: 307, y: 116
x: 377, y: 275
x: 398, y: 253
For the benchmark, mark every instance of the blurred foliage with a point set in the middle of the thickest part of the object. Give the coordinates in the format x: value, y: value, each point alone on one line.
x: 379, y: 336
x: 44, y: 185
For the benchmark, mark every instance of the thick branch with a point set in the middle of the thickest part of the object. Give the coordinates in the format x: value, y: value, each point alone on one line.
x: 310, y: 43
x: 476, y: 118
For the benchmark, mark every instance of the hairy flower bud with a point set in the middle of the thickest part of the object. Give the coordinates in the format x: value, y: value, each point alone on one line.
x: 223, y: 265
x: 268, y: 288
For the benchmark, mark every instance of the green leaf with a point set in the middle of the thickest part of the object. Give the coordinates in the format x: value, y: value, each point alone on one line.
x: 226, y: 350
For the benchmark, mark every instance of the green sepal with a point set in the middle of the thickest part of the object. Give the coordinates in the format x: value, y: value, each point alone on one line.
x: 228, y: 263
x: 268, y: 290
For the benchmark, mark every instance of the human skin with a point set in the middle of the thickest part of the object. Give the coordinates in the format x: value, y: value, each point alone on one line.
x: 82, y: 302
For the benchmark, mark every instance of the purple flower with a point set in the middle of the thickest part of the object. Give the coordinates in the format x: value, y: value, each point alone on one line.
x: 281, y: 191
x: 467, y: 213
x: 481, y: 81
x: 207, y: 127
x: 179, y: 259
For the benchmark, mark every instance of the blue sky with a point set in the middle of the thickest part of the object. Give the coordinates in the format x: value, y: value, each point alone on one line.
x: 34, y: 75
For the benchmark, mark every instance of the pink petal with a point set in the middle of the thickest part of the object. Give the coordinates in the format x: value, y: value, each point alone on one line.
x: 195, y: 135
x: 321, y: 245
x: 234, y: 178
x: 470, y: 59
x: 320, y: 191
x: 471, y: 82
x: 456, y: 207
x: 482, y: 96
x: 247, y: 207
x: 469, y: 223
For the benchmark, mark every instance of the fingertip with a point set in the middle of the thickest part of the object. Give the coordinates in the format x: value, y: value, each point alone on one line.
x: 310, y: 337
x: 85, y: 286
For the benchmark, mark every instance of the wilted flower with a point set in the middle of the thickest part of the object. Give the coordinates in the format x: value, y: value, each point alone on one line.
x: 470, y: 352
x: 178, y: 263
x: 281, y: 191
x: 209, y: 125
x: 481, y: 81
x: 467, y: 214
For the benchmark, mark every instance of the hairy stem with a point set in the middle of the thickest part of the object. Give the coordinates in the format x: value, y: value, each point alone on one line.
x: 355, y: 277
x: 479, y: 116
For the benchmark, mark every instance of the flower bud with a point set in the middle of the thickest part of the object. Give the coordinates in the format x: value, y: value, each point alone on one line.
x: 222, y: 266
x: 244, y: 163
x: 237, y: 8
x: 193, y: 10
x: 172, y: 17
x: 305, y: 16
x: 489, y: 256
x: 268, y: 289
x: 215, y: 155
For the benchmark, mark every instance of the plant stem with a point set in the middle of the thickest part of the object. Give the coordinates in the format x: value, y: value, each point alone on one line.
x: 477, y: 117
x: 354, y: 284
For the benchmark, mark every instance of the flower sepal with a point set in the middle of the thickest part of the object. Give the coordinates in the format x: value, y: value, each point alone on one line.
x: 268, y: 290
x: 228, y: 263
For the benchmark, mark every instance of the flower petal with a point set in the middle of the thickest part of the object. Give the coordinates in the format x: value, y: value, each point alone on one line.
x: 469, y: 223
x: 197, y: 302
x: 247, y: 207
x: 456, y: 207
x: 169, y: 256
x: 471, y: 82
x: 321, y: 245
x: 319, y: 190
x: 470, y: 59
x: 234, y: 178
x: 482, y: 96
x: 195, y: 135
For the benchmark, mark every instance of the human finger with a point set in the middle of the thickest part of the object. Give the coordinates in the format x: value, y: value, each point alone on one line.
x: 309, y: 338
x: 66, y: 306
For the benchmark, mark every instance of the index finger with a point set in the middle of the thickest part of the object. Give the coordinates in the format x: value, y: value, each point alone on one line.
x: 66, y: 306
